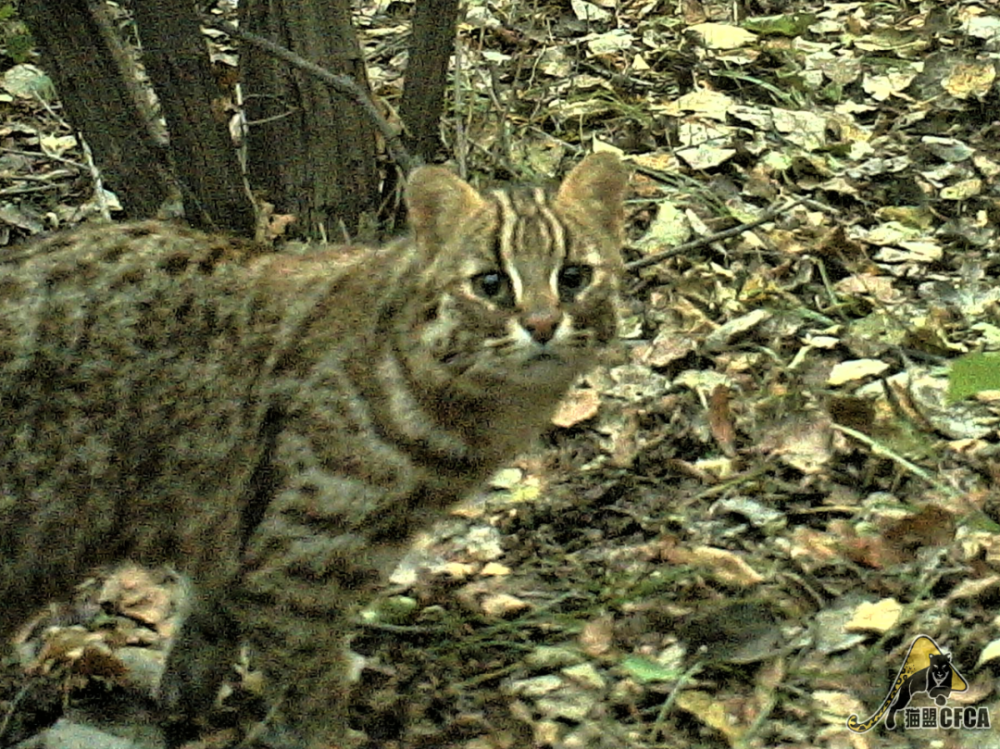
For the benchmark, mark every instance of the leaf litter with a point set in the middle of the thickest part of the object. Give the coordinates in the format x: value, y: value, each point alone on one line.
x: 786, y: 473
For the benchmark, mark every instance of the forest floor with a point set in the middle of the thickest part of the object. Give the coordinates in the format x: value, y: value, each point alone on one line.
x: 780, y: 494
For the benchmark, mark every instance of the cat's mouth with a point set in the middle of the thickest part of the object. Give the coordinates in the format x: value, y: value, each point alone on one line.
x: 544, y: 356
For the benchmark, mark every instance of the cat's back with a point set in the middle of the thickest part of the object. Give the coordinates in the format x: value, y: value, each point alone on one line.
x: 57, y: 283
x: 122, y: 322
x: 128, y: 357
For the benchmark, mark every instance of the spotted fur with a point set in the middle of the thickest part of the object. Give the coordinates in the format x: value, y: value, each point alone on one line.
x: 276, y: 426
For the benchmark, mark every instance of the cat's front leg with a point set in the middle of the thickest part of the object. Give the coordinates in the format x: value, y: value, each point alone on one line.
x: 295, y: 610
x: 203, y: 651
x: 337, y: 521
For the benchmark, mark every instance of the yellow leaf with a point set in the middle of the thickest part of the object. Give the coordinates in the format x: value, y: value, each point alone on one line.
x: 875, y: 617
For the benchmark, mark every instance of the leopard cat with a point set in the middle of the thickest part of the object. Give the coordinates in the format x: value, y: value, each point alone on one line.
x: 276, y: 426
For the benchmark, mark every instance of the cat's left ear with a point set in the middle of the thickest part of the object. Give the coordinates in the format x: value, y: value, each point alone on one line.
x: 596, y: 186
x: 437, y: 200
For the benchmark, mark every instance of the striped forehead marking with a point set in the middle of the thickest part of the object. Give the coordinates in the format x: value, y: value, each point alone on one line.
x: 528, y: 229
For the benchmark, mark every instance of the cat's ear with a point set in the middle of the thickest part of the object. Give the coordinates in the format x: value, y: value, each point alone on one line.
x: 596, y: 187
x: 437, y: 200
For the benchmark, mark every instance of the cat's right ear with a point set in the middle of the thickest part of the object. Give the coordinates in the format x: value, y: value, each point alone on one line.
x: 437, y: 201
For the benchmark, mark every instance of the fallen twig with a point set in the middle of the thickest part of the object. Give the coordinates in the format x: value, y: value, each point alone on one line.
x: 766, y: 216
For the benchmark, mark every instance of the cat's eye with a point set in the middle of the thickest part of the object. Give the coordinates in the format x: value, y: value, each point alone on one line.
x: 493, y: 285
x: 573, y: 279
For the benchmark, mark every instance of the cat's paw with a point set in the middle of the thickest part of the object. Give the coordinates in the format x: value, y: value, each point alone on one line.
x: 202, y: 653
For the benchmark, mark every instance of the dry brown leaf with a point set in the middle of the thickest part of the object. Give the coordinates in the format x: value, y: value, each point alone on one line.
x: 970, y: 79
x: 693, y: 12
x: 137, y: 593
x: 720, y: 420
x: 973, y: 588
x: 502, y: 605
x: 722, y: 715
x: 596, y: 636
x: 723, y: 565
x: 855, y: 370
x: 803, y: 442
x: 867, y: 550
x: 494, y: 569
x: 877, y: 617
x: 929, y: 528
x: 812, y: 550
x: 578, y: 406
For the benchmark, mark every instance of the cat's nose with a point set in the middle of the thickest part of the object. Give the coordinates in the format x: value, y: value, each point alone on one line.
x: 542, y: 325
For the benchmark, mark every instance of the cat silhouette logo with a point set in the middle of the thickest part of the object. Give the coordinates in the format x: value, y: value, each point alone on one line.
x: 929, y: 671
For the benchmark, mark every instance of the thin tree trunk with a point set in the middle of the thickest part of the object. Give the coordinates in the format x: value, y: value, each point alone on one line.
x: 95, y: 79
x: 176, y: 57
x: 431, y: 46
x: 311, y: 151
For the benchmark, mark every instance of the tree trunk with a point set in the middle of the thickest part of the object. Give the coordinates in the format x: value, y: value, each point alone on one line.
x: 310, y: 150
x: 176, y: 58
x: 95, y: 79
x: 431, y: 45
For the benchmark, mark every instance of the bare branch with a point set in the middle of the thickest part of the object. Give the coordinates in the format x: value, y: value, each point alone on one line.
x: 342, y: 84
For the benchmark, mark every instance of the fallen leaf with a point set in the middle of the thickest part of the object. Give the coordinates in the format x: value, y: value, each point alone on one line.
x: 578, y: 406
x: 596, y: 635
x: 877, y: 617
x: 854, y: 370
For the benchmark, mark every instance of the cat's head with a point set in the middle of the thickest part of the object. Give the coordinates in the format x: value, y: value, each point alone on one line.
x: 520, y: 284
